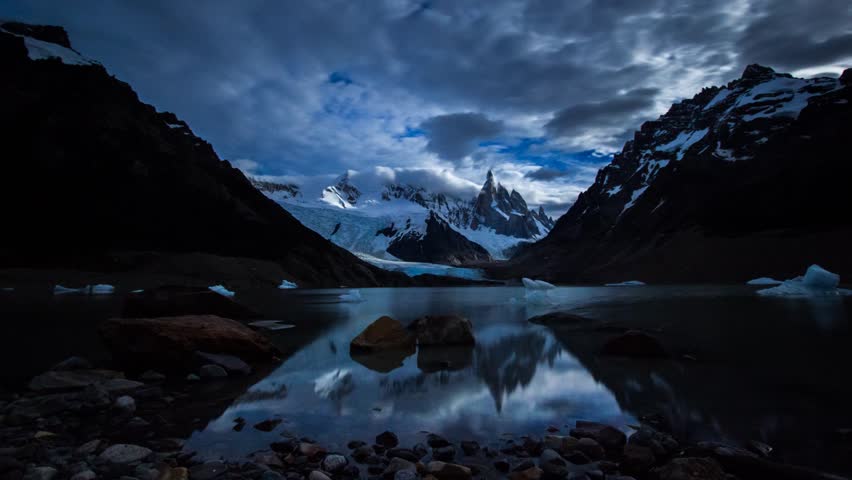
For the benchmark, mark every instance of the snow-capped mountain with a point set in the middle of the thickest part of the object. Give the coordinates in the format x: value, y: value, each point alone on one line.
x: 409, y: 222
x: 739, y: 180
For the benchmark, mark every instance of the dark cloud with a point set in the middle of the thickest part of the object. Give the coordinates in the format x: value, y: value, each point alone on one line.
x: 456, y: 135
x: 582, y: 117
x: 546, y: 173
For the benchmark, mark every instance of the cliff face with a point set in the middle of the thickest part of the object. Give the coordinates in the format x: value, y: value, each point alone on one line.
x: 89, y: 170
x: 740, y: 181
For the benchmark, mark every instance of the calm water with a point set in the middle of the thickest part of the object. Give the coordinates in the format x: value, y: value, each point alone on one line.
x: 768, y: 369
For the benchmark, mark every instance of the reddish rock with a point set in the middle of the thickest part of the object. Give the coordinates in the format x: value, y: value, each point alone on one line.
x: 170, y: 343
x: 383, y: 334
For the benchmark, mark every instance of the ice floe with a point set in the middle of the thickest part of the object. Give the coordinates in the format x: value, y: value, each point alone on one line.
x: 354, y: 296
x: 817, y: 282
x: 98, y: 289
x: 221, y: 290
x: 628, y: 283
x: 271, y: 325
x: 285, y: 284
x: 764, y: 281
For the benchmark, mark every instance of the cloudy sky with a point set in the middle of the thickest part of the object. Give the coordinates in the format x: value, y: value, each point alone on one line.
x: 439, y: 91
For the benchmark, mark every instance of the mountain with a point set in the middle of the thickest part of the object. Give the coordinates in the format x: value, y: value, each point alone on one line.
x: 90, y: 173
x: 740, y: 181
x: 409, y: 222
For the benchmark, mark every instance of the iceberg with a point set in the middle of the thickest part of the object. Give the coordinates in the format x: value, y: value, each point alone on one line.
x: 817, y: 282
x: 221, y: 290
x: 764, y: 281
x: 101, y: 289
x: 537, y: 292
x: 531, y: 284
x: 271, y: 325
x: 354, y: 296
x: 285, y: 284
x: 60, y: 290
x: 628, y: 283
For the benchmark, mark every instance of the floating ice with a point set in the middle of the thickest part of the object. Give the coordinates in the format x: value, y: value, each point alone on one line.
x: 221, y: 290
x: 285, y: 284
x: 137, y: 291
x: 764, y: 281
x: 60, y: 290
x: 817, y: 282
x: 531, y: 284
x: 101, y: 289
x: 334, y: 385
x: 354, y: 296
x: 271, y: 325
x: 628, y: 283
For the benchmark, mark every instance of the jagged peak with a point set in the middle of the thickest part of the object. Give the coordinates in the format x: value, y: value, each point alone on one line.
x: 45, y: 33
x: 757, y: 71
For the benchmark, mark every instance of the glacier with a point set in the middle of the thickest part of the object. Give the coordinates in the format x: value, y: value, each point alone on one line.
x: 412, y: 269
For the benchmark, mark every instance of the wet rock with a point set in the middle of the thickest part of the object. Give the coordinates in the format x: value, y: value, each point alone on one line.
x: 561, y: 444
x: 405, y: 475
x: 88, y: 448
x: 55, y: 380
x: 552, y: 464
x: 502, y: 465
x: 311, y: 450
x: 431, y: 359
x: 387, y: 439
x: 420, y: 450
x: 577, y: 457
x: 397, y: 465
x: 41, y: 473
x: 443, y: 330
x: 634, y: 343
x: 591, y: 448
x: 192, y: 377
x: 211, y: 371
x: 240, y: 423
x: 123, y: 453
x: 470, y: 448
x: 171, y: 343
x: 448, y: 471
x: 760, y: 448
x: 525, y: 464
x: 444, y: 454
x: 607, y: 436
x: 560, y: 319
x: 636, y: 459
x: 383, y: 334
x: 436, y: 441
x: 207, y: 470
x: 125, y: 403
x: 152, y: 376
x: 268, y: 425
x: 532, y: 473
x: 403, y: 453
x: 318, y: 475
x: 334, y: 463
x: 532, y: 445
x: 231, y: 363
x: 662, y: 444
x: 363, y: 452
x: 690, y: 468
x: 73, y: 363
x: 85, y: 475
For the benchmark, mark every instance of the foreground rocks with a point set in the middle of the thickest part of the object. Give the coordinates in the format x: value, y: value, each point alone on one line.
x: 443, y: 330
x: 382, y: 335
x: 168, y: 343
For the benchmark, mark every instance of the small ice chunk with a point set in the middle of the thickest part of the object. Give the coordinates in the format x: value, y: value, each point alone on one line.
x: 101, y: 289
x: 61, y: 290
x: 139, y: 290
x: 817, y: 282
x: 221, y: 290
x: 287, y: 284
x: 820, y: 279
x: 764, y: 281
x: 628, y: 283
x: 531, y: 284
x: 354, y: 296
x: 271, y: 324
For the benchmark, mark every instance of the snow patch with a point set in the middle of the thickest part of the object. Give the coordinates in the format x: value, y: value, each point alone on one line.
x: 531, y: 284
x: 221, y: 290
x: 285, y: 284
x: 41, y: 50
x: 683, y: 141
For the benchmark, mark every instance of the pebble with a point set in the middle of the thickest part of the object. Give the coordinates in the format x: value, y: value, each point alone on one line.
x: 334, y: 463
x: 317, y: 475
x: 124, y: 453
x: 85, y: 475
x: 125, y: 403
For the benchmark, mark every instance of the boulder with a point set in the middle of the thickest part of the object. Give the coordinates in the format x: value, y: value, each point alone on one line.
x: 171, y: 343
x: 443, y: 330
x: 211, y: 371
x: 383, y: 334
x: 609, y: 437
x: 690, y: 468
x: 448, y: 471
x: 234, y: 365
x: 636, y: 459
x: 56, y: 380
x: 634, y: 343
x: 73, y: 363
x: 123, y: 453
x: 174, y: 301
x: 387, y: 439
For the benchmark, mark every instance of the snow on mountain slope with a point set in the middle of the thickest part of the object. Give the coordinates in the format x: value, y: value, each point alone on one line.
x: 396, y: 217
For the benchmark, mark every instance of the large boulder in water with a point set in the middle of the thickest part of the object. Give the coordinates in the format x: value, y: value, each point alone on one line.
x: 173, y: 301
x: 443, y: 330
x: 171, y: 343
x: 383, y: 334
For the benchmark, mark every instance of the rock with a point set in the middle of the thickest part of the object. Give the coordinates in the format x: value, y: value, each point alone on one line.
x: 88, y: 448
x: 552, y: 464
x: 73, y: 363
x: 532, y: 473
x: 636, y: 459
x: 175, y: 473
x: 470, y: 448
x: 560, y: 319
x: 397, y: 465
x: 502, y: 465
x: 125, y: 403
x: 560, y: 443
x: 272, y: 475
x: 268, y: 425
x: 85, y: 475
x: 525, y: 464
x: 403, y: 453
x: 317, y: 475
x: 405, y: 475
x: 123, y: 453
x: 334, y: 463
x: 311, y: 450
x: 121, y: 385
x: 55, y: 380
x: 152, y: 376
x: 444, y: 454
x: 690, y: 468
x: 609, y: 437
x: 591, y: 448
x: 420, y: 450
x: 383, y: 334
x: 577, y: 457
x: 760, y: 448
x: 387, y: 439
x: 634, y: 343
x: 362, y: 453
x: 448, y: 471
x: 436, y: 441
x: 443, y: 330
x: 211, y: 371
x: 662, y: 444
x: 229, y: 362
x: 173, y: 301
x: 171, y: 343
x: 192, y: 377
x: 41, y: 473
x: 207, y: 470
x: 533, y: 446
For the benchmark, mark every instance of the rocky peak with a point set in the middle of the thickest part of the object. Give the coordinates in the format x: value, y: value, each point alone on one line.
x: 757, y: 72
x: 349, y: 191
x: 846, y: 77
x: 46, y: 33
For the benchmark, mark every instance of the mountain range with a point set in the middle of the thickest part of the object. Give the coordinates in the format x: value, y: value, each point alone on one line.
x: 743, y: 180
x: 409, y: 222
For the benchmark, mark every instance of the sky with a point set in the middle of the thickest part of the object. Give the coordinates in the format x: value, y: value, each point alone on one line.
x: 437, y: 92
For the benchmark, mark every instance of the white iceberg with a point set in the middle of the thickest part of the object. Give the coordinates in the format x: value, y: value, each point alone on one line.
x: 531, y: 284
x: 628, y: 283
x: 817, y: 282
x: 221, y: 290
x: 285, y: 284
x: 354, y: 296
x: 764, y: 281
